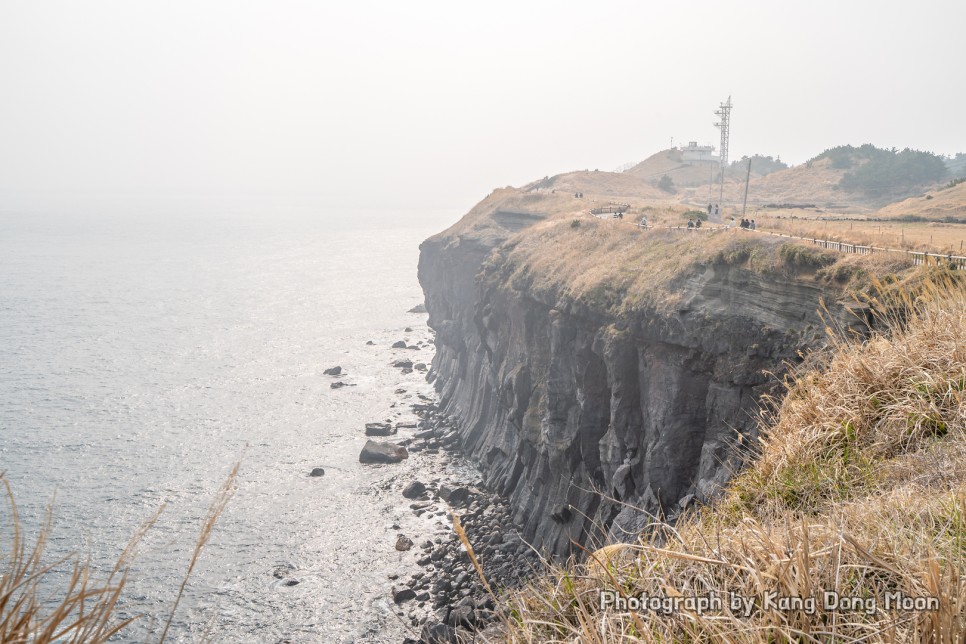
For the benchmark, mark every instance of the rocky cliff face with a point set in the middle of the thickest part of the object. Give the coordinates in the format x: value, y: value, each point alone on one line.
x: 590, y: 421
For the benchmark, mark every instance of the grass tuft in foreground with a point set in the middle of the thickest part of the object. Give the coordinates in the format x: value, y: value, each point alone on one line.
x: 39, y: 605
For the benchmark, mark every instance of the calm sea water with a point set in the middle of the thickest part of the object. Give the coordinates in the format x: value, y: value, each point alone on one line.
x: 141, y: 357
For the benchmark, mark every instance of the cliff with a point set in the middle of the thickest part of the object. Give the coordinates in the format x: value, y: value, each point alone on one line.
x: 599, y: 373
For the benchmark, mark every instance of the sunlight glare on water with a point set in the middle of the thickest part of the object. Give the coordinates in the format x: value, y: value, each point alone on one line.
x: 140, y: 358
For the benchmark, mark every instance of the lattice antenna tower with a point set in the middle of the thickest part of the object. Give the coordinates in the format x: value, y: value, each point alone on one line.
x: 724, y: 123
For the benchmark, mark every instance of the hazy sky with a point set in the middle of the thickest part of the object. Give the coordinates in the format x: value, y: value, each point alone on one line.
x: 432, y: 104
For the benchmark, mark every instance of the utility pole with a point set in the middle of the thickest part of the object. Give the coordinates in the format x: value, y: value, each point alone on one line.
x: 747, y: 180
x: 724, y: 124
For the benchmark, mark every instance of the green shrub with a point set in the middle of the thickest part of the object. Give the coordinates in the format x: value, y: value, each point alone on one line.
x: 805, y: 257
x: 696, y: 214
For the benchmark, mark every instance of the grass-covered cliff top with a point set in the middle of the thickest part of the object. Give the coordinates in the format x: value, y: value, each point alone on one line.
x: 615, y: 267
x: 855, y: 509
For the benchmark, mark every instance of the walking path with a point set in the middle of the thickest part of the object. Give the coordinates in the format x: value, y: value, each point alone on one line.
x: 919, y: 258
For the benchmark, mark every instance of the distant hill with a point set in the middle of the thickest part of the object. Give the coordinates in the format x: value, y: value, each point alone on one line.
x: 862, y: 177
x: 944, y: 203
x: 671, y: 163
x: 811, y: 183
x: 831, y: 181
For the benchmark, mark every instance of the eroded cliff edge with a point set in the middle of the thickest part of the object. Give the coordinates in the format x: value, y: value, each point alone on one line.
x: 593, y: 368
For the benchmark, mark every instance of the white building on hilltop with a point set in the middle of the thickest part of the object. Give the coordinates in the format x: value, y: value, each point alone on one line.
x: 698, y: 153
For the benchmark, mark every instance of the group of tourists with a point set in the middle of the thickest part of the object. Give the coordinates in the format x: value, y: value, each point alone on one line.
x: 745, y: 223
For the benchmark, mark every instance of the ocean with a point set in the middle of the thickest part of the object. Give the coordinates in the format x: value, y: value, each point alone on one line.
x: 141, y: 357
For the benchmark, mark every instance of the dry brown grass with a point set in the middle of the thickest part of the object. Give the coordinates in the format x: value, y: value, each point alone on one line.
x: 85, y: 609
x: 615, y: 267
x: 889, y: 396
x: 61, y: 601
x: 934, y: 237
x: 860, y: 490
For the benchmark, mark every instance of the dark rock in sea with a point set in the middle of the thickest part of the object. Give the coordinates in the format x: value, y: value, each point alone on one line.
x: 338, y: 385
x: 406, y: 425
x: 369, y: 342
x: 408, y: 329
x: 403, y: 364
x: 419, y: 308
x: 413, y: 347
x: 282, y: 570
x: 403, y: 594
x: 317, y: 471
x: 380, y: 429
x: 400, y: 344
x: 413, y: 490
x: 403, y: 543
x: 291, y: 581
x: 424, y: 561
x: 406, y: 370
x: 333, y: 371
x: 420, y: 366
x: 374, y: 452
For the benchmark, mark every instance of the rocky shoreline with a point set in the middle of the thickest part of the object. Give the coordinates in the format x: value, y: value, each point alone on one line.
x: 448, y: 600
x: 445, y: 600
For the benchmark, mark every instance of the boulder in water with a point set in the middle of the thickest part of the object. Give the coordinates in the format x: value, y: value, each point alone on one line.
x: 375, y: 452
x: 413, y: 490
x: 380, y: 429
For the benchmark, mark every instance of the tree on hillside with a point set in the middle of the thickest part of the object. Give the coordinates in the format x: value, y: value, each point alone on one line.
x: 760, y: 165
x: 894, y: 172
x: 877, y: 171
x: 667, y: 184
x: 957, y: 165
